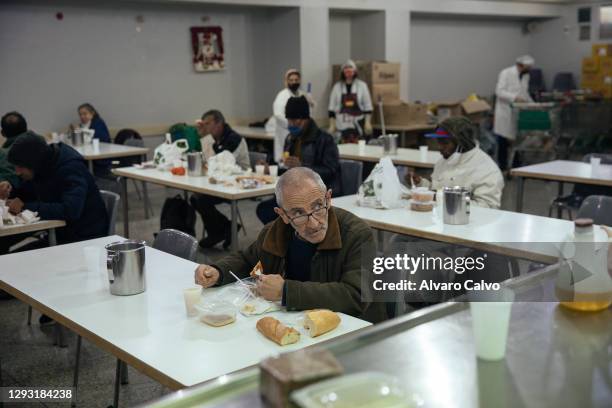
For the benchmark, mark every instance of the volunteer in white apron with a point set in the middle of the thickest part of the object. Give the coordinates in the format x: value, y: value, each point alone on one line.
x: 512, y: 86
x: 350, y: 106
x: 278, y: 121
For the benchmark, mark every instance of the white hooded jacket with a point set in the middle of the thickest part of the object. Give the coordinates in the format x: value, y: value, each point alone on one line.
x: 474, y: 170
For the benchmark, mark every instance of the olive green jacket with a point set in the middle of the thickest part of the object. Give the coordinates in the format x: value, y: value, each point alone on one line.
x: 7, y: 171
x: 335, y: 281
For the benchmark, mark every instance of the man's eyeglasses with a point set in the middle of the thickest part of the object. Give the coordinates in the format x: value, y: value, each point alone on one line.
x: 319, y: 214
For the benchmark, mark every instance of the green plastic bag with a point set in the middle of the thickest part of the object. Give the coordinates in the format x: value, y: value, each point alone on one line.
x: 185, y: 131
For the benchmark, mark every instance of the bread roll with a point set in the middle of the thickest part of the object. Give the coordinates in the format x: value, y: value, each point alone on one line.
x: 319, y: 322
x: 277, y: 332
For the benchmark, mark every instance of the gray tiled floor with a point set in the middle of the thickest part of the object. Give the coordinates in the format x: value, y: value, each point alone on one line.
x: 29, y: 358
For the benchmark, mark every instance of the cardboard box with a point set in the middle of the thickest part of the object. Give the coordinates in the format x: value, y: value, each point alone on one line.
x: 446, y: 110
x: 605, y: 65
x: 475, y: 110
x: 388, y: 92
x: 590, y: 64
x: 602, y: 50
x: 401, y: 113
x: 372, y: 72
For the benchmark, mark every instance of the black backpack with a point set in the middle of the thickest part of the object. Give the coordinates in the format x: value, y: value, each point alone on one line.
x: 179, y: 215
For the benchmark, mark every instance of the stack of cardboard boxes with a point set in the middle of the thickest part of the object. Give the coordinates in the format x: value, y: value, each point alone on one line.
x: 382, y: 79
x: 597, y: 70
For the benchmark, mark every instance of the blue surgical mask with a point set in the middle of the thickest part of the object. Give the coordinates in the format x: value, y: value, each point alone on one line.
x: 294, y: 130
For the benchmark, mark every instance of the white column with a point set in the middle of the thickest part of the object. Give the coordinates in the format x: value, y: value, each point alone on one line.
x: 397, y: 45
x: 314, y: 55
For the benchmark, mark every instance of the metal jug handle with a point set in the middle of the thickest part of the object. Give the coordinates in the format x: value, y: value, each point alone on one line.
x: 110, y: 261
x: 468, y: 200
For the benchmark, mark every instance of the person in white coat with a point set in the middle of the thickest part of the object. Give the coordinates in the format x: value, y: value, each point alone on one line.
x: 464, y: 164
x: 278, y: 120
x: 350, y: 106
x: 512, y: 86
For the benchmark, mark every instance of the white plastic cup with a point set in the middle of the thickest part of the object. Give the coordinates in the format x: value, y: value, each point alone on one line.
x: 260, y: 168
x: 96, y: 145
x: 273, y: 170
x: 192, y: 297
x: 490, y: 322
x: 423, y: 152
x: 93, y: 258
x: 361, y: 146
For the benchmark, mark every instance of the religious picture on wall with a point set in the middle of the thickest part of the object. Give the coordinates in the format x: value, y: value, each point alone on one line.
x: 207, y: 48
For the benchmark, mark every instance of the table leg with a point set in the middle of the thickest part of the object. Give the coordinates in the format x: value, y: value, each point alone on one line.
x: 520, y: 186
x: 234, y: 225
x: 124, y: 198
x: 90, y: 164
x: 52, y: 238
x: 560, y: 194
x: 75, y: 380
x: 147, y: 204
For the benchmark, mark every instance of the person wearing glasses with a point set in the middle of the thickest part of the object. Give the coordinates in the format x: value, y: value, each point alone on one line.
x: 311, y: 254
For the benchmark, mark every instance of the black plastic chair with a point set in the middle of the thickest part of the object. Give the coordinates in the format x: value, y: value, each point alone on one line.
x: 351, y: 172
x: 564, y: 82
x: 176, y: 243
x: 598, y: 208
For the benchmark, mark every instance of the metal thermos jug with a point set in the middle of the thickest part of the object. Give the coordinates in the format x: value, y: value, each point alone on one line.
x: 456, y: 203
x: 194, y: 164
x: 389, y: 144
x: 125, y: 263
x: 77, y: 138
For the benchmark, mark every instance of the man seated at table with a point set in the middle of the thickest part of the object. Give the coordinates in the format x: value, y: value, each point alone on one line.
x: 463, y: 164
x: 218, y: 136
x: 56, y: 183
x: 311, y: 254
x: 309, y: 146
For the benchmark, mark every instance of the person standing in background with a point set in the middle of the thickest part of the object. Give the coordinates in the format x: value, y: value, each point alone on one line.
x: 350, y: 106
x: 280, y: 126
x: 90, y: 119
x: 512, y: 87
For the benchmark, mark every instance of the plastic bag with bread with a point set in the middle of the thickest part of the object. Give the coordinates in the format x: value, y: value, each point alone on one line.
x: 320, y: 321
x: 274, y: 330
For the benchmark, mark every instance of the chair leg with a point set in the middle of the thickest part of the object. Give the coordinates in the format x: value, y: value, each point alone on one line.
x: 124, y: 374
x: 147, y: 201
x: 242, y: 222
x: 75, y: 380
x: 117, y: 380
x: 29, y: 315
x: 137, y: 189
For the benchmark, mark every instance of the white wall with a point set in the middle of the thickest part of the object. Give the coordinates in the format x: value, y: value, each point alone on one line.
x: 339, y: 37
x: 453, y: 57
x: 556, y: 47
x: 368, y: 36
x: 96, y: 55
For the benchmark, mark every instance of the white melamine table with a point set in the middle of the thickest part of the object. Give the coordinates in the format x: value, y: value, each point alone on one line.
x: 504, y: 232
x: 193, y: 184
x: 149, y: 331
x: 253, y: 132
x: 51, y: 225
x: 109, y: 151
x: 404, y: 157
x: 561, y: 171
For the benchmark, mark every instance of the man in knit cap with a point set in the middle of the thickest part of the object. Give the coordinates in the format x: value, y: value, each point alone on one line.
x: 57, y: 184
x: 464, y: 164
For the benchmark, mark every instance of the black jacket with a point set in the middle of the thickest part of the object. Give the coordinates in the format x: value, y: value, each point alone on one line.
x: 66, y: 190
x: 317, y: 150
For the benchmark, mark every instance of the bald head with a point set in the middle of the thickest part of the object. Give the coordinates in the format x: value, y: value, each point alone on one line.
x: 295, y: 179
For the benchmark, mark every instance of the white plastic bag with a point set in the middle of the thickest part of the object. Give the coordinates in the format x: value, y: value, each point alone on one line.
x: 382, y: 188
x: 223, y: 164
x: 167, y: 153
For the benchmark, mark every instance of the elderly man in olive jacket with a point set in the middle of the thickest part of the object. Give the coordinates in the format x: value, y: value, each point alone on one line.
x: 311, y: 254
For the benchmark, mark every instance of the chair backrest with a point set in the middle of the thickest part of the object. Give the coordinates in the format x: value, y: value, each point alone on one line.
x: 605, y: 158
x: 254, y: 157
x: 125, y: 134
x: 598, y: 208
x: 564, y: 81
x: 176, y: 243
x: 111, y: 201
x: 351, y: 172
x: 536, y: 81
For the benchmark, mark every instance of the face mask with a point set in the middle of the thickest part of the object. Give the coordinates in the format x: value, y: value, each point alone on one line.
x: 294, y: 130
x: 294, y: 87
x: 454, y: 158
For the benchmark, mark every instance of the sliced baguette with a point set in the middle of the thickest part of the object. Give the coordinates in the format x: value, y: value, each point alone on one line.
x: 321, y: 321
x: 277, y: 332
